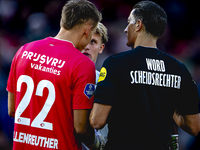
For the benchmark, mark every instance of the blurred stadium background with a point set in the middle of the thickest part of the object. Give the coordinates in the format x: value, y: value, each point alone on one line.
x: 23, y: 21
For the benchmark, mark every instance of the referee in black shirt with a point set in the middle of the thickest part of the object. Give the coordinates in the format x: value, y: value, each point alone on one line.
x: 142, y: 91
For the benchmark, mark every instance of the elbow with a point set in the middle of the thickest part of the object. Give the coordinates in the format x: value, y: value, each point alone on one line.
x: 194, y: 126
x: 99, y: 114
x: 194, y: 132
x: 80, y: 131
x: 11, y: 105
x: 190, y: 124
x: 80, y: 134
x: 11, y: 113
x: 97, y: 123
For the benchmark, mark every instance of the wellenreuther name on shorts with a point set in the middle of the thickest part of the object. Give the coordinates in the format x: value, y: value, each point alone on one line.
x: 156, y: 79
x: 44, y: 60
x: 35, y: 140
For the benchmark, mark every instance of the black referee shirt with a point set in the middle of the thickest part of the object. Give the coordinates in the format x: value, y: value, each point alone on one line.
x: 144, y: 86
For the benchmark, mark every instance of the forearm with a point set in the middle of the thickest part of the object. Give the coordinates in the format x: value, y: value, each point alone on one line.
x: 99, y: 115
x: 89, y: 139
x: 83, y: 130
x: 11, y: 105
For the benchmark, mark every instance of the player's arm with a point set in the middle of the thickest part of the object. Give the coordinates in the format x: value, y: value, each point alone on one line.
x: 189, y: 123
x: 84, y: 80
x: 11, y: 83
x: 84, y: 132
x: 99, y: 115
x: 11, y: 105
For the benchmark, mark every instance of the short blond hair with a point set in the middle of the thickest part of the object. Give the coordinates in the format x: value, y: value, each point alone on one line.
x: 103, y: 32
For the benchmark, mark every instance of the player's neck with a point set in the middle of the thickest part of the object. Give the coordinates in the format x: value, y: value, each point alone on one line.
x: 146, y: 41
x: 67, y: 35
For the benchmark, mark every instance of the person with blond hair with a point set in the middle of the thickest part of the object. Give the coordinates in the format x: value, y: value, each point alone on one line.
x: 92, y: 50
x: 96, y: 45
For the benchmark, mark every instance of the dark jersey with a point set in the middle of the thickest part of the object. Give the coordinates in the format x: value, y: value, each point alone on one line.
x: 144, y: 86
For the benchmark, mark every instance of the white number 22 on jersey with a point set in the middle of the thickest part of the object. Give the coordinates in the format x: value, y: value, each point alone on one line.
x: 38, y: 122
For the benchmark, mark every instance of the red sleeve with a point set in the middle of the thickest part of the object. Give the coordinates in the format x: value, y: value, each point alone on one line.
x: 11, y: 79
x: 10, y: 84
x: 84, y: 85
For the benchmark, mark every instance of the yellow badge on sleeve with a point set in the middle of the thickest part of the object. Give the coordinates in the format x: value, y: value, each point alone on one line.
x: 102, y: 75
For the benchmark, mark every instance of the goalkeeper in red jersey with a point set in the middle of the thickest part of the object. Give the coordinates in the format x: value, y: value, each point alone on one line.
x: 51, y: 85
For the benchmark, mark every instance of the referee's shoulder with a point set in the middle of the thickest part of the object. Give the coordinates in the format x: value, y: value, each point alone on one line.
x: 173, y: 60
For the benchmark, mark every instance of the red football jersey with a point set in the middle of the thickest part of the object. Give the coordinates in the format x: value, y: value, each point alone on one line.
x: 49, y: 78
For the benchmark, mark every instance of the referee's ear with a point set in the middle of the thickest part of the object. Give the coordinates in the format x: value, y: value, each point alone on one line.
x: 138, y: 25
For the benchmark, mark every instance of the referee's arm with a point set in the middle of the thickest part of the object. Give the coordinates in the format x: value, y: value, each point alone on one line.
x: 186, y: 114
x: 189, y: 123
x: 98, y: 115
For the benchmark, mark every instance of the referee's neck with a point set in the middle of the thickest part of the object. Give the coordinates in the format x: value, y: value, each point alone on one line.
x: 145, y: 40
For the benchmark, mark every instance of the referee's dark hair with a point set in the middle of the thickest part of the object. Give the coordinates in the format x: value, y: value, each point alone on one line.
x: 152, y: 16
x: 77, y: 12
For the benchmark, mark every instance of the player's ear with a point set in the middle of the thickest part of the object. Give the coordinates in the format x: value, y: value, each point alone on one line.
x: 87, y: 30
x: 101, y: 48
x: 138, y: 25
